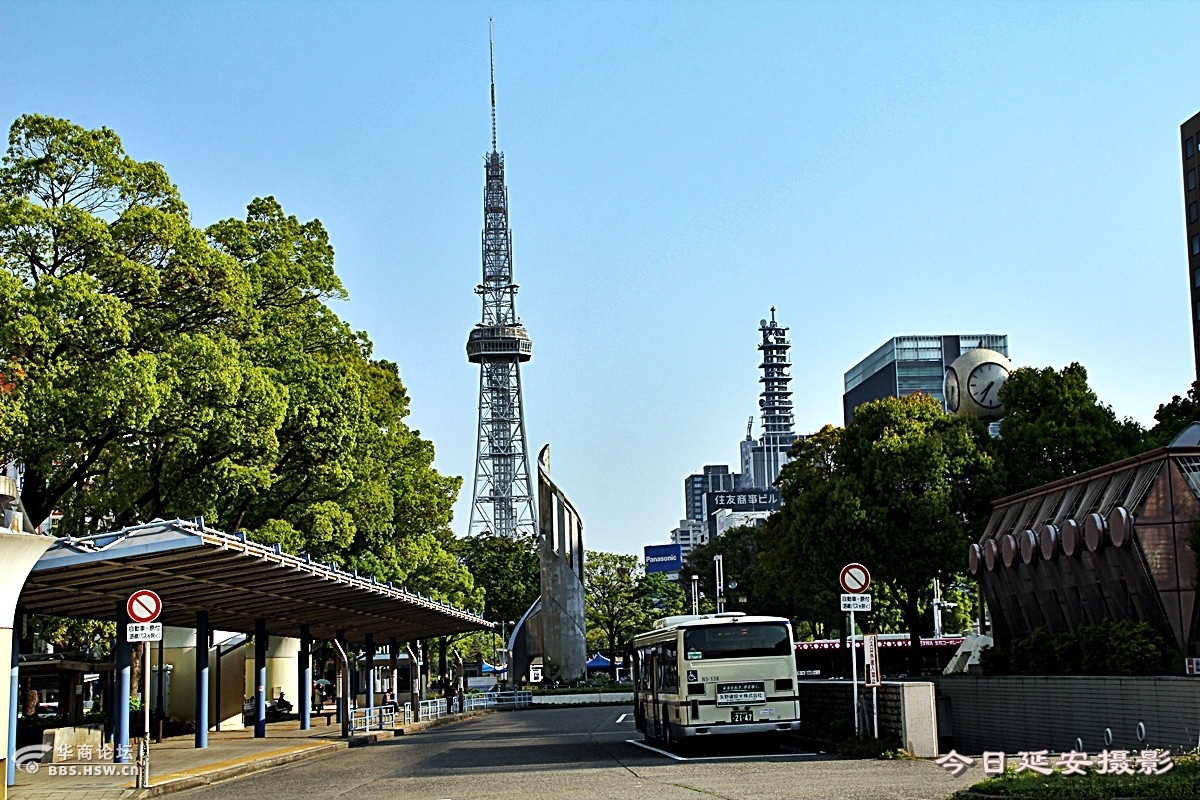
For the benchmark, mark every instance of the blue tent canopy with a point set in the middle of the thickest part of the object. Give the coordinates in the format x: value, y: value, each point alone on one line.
x: 599, y: 662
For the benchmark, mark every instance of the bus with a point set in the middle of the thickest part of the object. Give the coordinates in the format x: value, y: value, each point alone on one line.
x: 713, y: 675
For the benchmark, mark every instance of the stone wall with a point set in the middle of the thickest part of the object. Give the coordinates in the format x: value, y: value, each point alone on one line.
x: 906, y: 710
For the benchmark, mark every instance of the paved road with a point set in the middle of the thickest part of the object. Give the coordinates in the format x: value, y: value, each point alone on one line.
x: 577, y: 753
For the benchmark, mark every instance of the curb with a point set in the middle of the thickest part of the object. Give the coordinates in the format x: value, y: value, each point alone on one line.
x: 316, y: 751
x: 236, y: 770
x: 417, y: 727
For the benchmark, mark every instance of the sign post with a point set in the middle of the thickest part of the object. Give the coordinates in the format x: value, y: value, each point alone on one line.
x: 143, y: 607
x: 871, y: 673
x: 854, y: 578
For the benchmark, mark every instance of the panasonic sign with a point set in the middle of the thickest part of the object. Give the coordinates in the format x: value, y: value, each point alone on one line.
x: 663, y: 558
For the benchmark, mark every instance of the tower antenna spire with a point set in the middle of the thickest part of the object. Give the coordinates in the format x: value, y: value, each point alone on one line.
x: 492, y: 64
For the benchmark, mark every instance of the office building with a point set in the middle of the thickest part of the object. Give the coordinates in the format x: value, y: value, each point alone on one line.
x: 1189, y: 135
x: 690, y: 534
x: 714, y: 478
x: 904, y: 365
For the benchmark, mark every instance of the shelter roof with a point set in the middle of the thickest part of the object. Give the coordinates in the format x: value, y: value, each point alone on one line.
x: 193, y: 568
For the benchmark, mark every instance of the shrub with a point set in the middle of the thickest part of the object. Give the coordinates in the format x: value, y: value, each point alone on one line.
x: 1110, y: 648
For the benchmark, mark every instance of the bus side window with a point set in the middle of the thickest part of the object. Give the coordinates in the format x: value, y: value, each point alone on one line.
x: 670, y: 666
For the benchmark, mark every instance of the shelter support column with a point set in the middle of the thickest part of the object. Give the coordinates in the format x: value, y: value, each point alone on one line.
x: 202, y: 679
x: 14, y: 694
x: 393, y: 669
x: 343, y: 700
x: 341, y: 681
x: 304, y: 688
x: 120, y: 710
x: 19, y: 552
x: 369, y: 672
x: 260, y: 678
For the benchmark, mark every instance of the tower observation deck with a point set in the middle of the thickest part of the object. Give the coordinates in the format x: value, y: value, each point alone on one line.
x: 499, y: 344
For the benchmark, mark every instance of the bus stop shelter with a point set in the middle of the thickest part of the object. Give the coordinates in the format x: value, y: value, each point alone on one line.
x: 209, y: 580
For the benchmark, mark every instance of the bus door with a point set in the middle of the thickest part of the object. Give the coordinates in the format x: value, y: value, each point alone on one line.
x: 655, y: 711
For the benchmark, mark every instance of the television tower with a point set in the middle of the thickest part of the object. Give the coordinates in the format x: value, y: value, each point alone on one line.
x: 502, y: 497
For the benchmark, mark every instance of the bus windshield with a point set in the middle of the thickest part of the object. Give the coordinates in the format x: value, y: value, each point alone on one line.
x: 752, y: 640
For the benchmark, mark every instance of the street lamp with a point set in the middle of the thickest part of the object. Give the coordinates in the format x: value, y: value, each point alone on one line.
x: 719, y: 567
x: 696, y: 595
x: 503, y: 649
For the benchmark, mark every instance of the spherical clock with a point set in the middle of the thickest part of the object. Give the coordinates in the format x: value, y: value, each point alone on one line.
x: 951, y: 390
x: 973, y: 383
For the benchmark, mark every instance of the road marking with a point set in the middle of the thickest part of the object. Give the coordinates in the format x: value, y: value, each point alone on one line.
x: 669, y: 754
x: 621, y: 718
x: 645, y: 746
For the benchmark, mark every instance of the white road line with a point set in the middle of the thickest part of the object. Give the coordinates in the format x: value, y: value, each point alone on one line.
x: 645, y: 746
x: 668, y: 754
x: 621, y: 718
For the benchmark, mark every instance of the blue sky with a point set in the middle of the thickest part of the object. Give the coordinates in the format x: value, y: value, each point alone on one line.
x: 674, y: 171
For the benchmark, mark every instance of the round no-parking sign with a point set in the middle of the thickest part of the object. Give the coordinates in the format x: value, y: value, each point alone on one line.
x: 854, y: 578
x: 143, y: 606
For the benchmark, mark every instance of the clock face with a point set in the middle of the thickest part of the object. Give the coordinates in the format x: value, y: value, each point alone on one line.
x: 951, y: 391
x: 984, y: 383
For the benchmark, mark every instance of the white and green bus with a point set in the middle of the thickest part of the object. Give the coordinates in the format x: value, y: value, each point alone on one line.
x: 713, y: 675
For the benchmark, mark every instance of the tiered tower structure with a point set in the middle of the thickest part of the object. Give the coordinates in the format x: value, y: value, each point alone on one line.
x: 762, y: 460
x: 778, y: 423
x: 499, y: 344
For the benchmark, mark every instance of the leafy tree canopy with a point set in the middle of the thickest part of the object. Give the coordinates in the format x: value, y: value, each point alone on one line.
x: 621, y: 599
x: 743, y: 590
x: 151, y: 369
x: 1171, y: 418
x: 903, y: 489
x: 1055, y: 427
x: 507, y: 570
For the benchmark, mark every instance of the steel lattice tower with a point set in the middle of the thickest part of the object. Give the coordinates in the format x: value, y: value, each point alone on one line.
x: 499, y: 344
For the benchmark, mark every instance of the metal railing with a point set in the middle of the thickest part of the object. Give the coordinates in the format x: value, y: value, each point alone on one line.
x: 499, y: 700
x: 426, y: 709
x: 432, y: 709
x: 377, y: 718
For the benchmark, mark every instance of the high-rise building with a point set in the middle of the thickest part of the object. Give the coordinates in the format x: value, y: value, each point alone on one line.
x: 690, y: 534
x: 763, y: 459
x: 714, y: 478
x: 905, y: 365
x: 499, y: 344
x: 1189, y: 135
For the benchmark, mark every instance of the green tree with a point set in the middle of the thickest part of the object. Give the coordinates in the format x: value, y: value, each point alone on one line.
x: 737, y: 548
x: 622, y: 599
x: 1054, y: 427
x: 507, y: 569
x: 152, y: 369
x: 1171, y: 418
x: 925, y: 480
x: 903, y: 489
x: 819, y: 529
x: 107, y: 284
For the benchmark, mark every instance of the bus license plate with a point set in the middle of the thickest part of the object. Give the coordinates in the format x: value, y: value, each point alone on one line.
x: 743, y: 716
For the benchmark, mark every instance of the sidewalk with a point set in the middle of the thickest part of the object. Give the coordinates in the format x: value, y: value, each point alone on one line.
x: 176, y: 764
